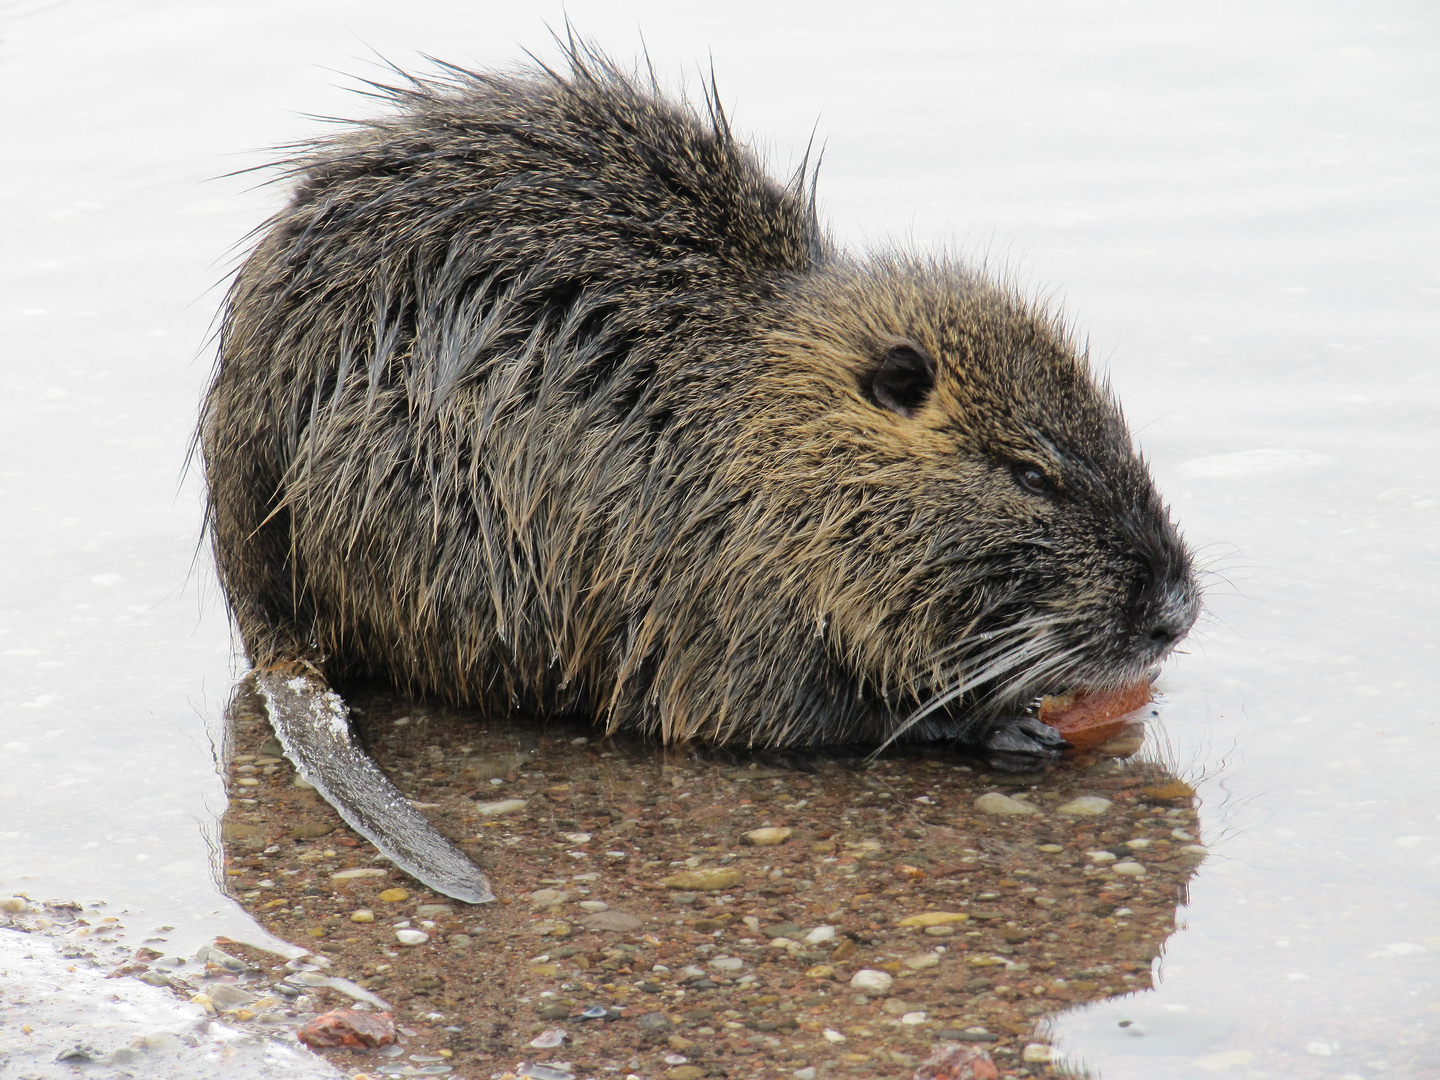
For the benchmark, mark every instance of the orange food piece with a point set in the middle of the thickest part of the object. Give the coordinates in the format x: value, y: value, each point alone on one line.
x: 1088, y: 718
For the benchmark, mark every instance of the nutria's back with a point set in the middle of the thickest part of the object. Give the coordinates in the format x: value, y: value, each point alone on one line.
x: 541, y: 394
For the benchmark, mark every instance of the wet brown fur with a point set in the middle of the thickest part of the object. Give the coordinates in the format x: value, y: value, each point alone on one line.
x: 542, y: 395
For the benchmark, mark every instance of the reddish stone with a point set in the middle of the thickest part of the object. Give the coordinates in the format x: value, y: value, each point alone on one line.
x: 348, y: 1027
x: 956, y: 1061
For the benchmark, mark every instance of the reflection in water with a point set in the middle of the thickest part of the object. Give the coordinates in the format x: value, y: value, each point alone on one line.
x: 802, y: 874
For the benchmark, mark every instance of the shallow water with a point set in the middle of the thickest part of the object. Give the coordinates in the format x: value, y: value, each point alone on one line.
x: 1237, y: 207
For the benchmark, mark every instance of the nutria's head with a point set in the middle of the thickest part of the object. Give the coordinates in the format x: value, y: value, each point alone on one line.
x: 993, y: 533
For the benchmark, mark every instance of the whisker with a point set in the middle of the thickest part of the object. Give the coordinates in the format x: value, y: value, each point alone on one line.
x: 1003, y: 658
x: 1031, y: 623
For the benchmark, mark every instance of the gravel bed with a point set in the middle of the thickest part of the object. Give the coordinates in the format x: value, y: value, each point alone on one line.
x: 667, y: 914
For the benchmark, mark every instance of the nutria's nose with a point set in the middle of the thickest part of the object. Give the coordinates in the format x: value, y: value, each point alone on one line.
x: 1165, y: 621
x: 1164, y: 607
x: 1164, y: 635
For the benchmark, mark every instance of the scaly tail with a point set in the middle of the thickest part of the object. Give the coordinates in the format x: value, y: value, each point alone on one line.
x: 313, y: 726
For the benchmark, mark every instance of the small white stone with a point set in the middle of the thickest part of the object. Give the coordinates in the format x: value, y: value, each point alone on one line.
x: 913, y: 1018
x: 768, y: 836
x: 499, y: 806
x: 820, y: 934
x: 546, y: 897
x: 1138, y: 844
x: 359, y: 872
x: 807, y: 1073
x: 920, y: 961
x: 577, y: 837
x: 1084, y: 806
x: 1128, y: 868
x: 411, y: 937
x: 831, y: 1035
x: 727, y: 963
x: 1003, y: 805
x: 593, y: 905
x: 1101, y: 858
x: 1038, y: 1054
x: 1181, y: 834
x: 1196, y: 849
x: 870, y: 981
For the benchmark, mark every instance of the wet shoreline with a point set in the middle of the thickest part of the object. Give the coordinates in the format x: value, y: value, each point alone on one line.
x: 748, y: 972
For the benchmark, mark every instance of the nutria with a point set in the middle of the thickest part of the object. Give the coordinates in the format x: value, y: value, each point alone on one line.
x: 542, y: 395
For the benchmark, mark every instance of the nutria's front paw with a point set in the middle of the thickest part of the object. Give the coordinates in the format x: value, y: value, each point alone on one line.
x: 1022, y: 744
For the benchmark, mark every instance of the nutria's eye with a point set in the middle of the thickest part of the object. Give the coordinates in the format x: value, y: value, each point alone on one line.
x: 902, y: 380
x: 1033, y: 480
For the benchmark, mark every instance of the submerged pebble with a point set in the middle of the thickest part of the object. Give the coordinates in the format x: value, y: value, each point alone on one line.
x: 711, y: 878
x: 934, y: 918
x: 499, y: 806
x: 545, y: 1072
x: 768, y: 836
x: 1004, y: 806
x: 1084, y: 806
x: 608, y: 919
x: 870, y: 981
x: 348, y: 1027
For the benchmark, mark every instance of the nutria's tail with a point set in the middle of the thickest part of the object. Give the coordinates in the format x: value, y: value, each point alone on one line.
x: 313, y: 726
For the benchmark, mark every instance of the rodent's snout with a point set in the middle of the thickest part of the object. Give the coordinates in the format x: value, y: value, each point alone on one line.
x: 1165, y: 606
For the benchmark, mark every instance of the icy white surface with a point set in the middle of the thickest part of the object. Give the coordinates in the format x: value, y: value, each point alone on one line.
x: 61, y: 1017
x: 1238, y: 201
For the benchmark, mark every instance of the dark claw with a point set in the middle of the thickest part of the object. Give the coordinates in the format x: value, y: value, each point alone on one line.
x: 1017, y: 744
x: 1022, y: 744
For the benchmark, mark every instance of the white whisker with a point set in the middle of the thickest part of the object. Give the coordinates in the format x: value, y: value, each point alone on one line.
x: 1002, y: 657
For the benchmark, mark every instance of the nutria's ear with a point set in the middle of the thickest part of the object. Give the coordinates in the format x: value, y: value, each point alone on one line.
x: 903, y: 379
